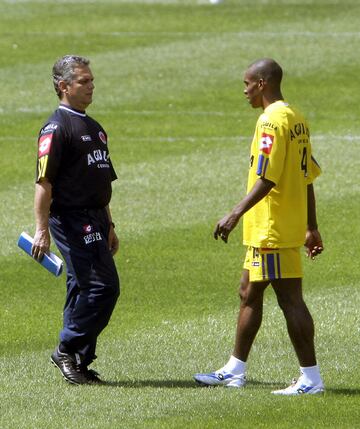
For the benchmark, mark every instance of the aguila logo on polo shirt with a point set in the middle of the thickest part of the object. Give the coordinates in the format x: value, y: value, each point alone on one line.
x: 45, y: 144
x: 266, y: 143
x: 102, y: 137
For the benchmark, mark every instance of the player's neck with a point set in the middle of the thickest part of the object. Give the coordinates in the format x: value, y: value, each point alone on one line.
x: 271, y: 98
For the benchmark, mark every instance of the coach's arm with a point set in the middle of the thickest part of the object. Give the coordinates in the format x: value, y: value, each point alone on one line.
x: 42, y: 201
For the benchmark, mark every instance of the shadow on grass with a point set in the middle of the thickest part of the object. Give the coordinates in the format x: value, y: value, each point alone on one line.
x: 332, y: 390
x: 267, y: 384
x: 190, y: 384
x: 345, y: 392
x: 184, y: 384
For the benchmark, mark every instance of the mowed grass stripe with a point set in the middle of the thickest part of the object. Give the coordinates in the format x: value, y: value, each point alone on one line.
x: 173, y: 70
x: 183, y: 190
x: 160, y: 379
x: 130, y: 357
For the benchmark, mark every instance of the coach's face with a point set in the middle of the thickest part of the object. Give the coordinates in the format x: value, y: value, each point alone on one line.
x: 253, y: 89
x: 78, y: 94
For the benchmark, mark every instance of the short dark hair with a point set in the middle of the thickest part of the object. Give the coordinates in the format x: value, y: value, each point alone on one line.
x: 267, y: 69
x: 63, y: 69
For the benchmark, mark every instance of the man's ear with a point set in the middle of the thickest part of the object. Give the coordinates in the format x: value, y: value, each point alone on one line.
x: 261, y: 84
x: 62, y: 86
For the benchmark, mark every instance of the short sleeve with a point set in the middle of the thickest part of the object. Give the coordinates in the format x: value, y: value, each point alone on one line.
x: 272, y: 151
x: 314, y: 170
x: 50, y: 151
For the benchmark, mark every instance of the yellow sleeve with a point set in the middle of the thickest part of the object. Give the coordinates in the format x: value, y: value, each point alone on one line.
x: 314, y: 170
x: 272, y: 151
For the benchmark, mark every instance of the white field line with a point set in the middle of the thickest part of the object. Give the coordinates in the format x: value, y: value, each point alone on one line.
x: 169, y: 112
x: 107, y: 111
x: 193, y: 139
x: 177, y: 112
x: 198, y: 33
x: 31, y: 110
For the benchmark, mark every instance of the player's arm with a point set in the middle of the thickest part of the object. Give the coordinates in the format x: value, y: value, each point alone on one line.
x: 225, y: 225
x: 112, y: 239
x: 42, y: 201
x: 313, y: 241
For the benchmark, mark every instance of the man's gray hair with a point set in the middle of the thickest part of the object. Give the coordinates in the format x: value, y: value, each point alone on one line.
x: 63, y: 69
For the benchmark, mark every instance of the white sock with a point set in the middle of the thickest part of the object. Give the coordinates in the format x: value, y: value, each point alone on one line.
x: 235, y: 366
x: 310, y: 374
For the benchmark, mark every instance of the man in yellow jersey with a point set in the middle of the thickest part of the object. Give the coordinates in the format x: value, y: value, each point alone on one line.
x: 279, y: 217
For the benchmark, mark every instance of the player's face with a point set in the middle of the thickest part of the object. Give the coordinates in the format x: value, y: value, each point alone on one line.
x: 80, y: 91
x: 252, y: 90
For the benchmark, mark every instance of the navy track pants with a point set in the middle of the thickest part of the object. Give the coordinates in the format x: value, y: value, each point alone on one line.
x: 93, y: 285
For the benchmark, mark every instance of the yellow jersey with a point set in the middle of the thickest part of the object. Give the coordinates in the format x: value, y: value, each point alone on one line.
x: 280, y: 152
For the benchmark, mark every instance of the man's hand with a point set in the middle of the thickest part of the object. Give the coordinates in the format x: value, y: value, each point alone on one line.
x: 113, y: 241
x: 225, y: 226
x: 260, y: 189
x: 313, y: 243
x: 41, y: 244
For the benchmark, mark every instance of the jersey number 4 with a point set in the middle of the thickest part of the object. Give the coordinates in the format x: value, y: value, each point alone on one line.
x: 304, y: 162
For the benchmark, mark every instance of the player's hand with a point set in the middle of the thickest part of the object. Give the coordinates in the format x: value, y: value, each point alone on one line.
x: 225, y: 226
x: 41, y: 244
x: 113, y: 241
x: 313, y: 243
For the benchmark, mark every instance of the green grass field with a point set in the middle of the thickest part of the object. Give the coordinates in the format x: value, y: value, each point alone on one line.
x: 169, y: 93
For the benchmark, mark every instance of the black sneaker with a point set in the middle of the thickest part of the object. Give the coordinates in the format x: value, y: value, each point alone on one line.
x: 70, y: 367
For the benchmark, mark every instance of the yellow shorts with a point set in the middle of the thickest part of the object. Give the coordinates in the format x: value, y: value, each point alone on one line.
x: 272, y: 264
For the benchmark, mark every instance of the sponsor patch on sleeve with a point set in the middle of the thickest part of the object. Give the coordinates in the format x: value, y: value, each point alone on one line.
x: 102, y: 137
x: 45, y: 144
x: 266, y: 143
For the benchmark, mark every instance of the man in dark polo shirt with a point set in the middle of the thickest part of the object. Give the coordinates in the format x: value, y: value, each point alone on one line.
x: 72, y: 195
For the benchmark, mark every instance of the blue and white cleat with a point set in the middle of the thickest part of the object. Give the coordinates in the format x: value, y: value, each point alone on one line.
x: 300, y: 388
x: 220, y: 378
